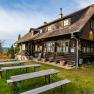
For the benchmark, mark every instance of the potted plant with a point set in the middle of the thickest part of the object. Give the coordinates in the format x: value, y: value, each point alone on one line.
x: 62, y: 62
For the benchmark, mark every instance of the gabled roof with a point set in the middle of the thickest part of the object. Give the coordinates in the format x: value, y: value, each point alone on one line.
x: 75, y: 27
x: 85, y: 13
x: 28, y: 36
x: 25, y: 37
x: 64, y: 17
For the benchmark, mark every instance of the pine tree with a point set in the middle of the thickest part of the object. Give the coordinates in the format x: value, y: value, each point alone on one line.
x: 11, y: 52
x: 17, y: 49
x: 1, y: 49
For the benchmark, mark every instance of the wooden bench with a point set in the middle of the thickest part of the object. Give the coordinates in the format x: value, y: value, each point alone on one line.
x: 18, y: 79
x: 12, y: 63
x: 47, y: 87
x: 7, y: 69
x: 56, y: 58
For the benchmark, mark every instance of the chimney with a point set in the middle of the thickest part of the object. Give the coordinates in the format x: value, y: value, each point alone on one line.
x: 19, y: 36
x: 61, y: 13
x: 45, y: 23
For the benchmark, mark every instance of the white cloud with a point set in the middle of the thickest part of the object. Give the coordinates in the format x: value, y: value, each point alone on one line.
x: 17, y: 22
x: 23, y: 16
x: 84, y: 3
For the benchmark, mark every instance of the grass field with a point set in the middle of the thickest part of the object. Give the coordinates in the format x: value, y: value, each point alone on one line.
x: 82, y: 81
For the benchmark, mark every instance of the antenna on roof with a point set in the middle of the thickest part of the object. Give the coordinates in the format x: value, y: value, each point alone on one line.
x: 61, y: 14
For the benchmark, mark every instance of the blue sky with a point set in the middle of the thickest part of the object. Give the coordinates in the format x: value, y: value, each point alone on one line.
x: 17, y: 16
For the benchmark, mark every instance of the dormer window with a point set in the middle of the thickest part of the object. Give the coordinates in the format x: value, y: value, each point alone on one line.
x: 67, y: 22
x: 91, y: 35
x: 92, y: 24
x: 49, y: 28
x: 40, y: 31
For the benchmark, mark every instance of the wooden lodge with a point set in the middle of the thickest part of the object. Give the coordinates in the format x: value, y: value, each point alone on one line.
x: 69, y: 38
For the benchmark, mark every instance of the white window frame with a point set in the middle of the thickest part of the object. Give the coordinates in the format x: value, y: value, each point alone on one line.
x: 66, y: 22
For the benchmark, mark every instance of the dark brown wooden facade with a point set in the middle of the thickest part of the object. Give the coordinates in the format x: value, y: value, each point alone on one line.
x: 60, y: 37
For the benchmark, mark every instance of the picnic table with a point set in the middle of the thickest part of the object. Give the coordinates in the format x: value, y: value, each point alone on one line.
x: 11, y: 63
x: 19, y: 78
x: 7, y: 69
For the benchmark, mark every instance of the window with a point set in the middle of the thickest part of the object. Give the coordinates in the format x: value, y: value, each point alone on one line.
x: 66, y: 22
x: 44, y: 29
x: 92, y: 50
x: 57, y: 25
x: 23, y: 46
x: 61, y: 24
x: 40, y: 31
x: 59, y: 46
x: 38, y: 48
x: 49, y: 28
x: 50, y: 46
x: 53, y: 27
x: 63, y: 46
x: 66, y: 46
x: 92, y: 24
x: 88, y: 49
x: 91, y: 35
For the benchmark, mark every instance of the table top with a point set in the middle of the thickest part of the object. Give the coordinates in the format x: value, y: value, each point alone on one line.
x: 32, y: 75
x: 17, y: 67
x: 13, y: 62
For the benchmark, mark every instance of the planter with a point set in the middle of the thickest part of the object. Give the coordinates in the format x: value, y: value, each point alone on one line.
x: 62, y: 62
x: 48, y: 62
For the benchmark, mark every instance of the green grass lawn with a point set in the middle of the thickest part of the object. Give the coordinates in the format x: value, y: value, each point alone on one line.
x: 82, y: 81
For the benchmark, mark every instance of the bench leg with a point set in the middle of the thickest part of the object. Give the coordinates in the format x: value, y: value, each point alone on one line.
x: 45, y: 78
x: 26, y: 70
x: 17, y: 87
x: 20, y: 64
x: 1, y: 74
x: 55, y: 76
x: 35, y: 69
x: 14, y: 88
x: 49, y: 78
x: 6, y: 74
x: 20, y: 69
x: 64, y: 89
x: 61, y: 88
x: 20, y: 87
x: 38, y: 68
